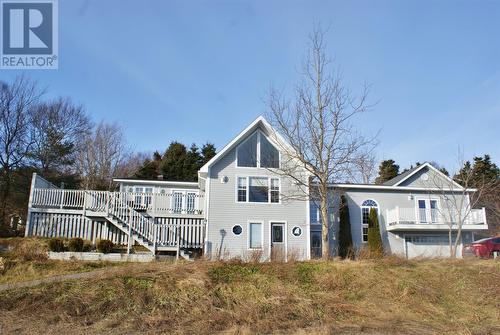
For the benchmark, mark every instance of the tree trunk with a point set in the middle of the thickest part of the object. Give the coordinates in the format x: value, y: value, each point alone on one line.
x: 325, y: 231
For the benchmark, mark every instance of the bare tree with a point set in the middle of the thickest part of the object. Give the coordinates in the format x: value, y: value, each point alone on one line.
x: 104, y: 151
x: 16, y: 138
x: 459, y: 201
x: 59, y: 130
x: 318, y: 125
x: 364, y: 168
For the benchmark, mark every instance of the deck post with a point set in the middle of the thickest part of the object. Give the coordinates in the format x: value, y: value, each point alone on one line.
x: 129, y: 244
x: 84, y: 203
x: 30, y: 201
x: 178, y: 241
x: 397, y: 215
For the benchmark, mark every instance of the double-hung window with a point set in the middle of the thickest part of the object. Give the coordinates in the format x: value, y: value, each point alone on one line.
x: 258, y: 152
x: 242, y: 189
x: 258, y: 189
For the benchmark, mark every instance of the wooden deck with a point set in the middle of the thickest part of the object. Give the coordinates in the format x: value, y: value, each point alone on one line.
x: 157, y: 221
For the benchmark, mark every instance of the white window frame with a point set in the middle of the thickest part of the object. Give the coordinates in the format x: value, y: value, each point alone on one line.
x: 238, y: 188
x: 428, y: 214
x: 249, y: 222
x: 184, y: 193
x: 259, y: 134
x: 248, y: 190
x: 363, y: 225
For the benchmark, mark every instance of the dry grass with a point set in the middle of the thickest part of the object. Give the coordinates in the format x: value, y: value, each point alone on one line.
x: 26, y: 259
x: 388, y: 296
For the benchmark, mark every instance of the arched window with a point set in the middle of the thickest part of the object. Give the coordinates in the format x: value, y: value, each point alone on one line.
x: 365, y: 216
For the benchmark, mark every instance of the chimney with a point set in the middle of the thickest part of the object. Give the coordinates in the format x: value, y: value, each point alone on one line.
x: 160, y: 177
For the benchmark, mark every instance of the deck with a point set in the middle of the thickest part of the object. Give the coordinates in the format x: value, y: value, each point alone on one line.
x: 158, y: 221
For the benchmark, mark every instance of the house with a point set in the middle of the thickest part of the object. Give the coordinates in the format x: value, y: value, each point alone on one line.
x: 243, y: 206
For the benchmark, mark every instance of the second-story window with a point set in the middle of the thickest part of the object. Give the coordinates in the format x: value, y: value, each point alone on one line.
x: 177, y: 202
x: 258, y: 152
x: 275, y: 190
x: 258, y: 189
x: 242, y: 189
x: 190, y: 202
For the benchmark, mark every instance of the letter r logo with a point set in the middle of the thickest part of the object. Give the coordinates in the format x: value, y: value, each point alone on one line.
x: 27, y: 28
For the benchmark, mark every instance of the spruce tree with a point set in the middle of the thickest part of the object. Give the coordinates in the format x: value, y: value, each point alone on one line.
x: 388, y: 169
x: 374, y: 238
x: 345, y: 237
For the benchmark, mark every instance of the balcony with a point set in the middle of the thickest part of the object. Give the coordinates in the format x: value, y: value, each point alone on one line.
x: 414, y: 219
x: 97, y: 203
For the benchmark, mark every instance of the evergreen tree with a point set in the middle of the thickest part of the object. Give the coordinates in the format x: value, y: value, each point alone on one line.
x: 374, y: 238
x: 177, y: 163
x: 345, y: 237
x: 482, y: 171
x: 173, y: 162
x: 150, y: 169
x: 192, y: 163
x: 388, y: 169
x: 207, y: 152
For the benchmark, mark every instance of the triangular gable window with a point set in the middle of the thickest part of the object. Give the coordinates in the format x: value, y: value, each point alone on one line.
x: 257, y: 151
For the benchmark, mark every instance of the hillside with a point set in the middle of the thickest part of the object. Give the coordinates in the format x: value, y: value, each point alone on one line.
x: 390, y: 296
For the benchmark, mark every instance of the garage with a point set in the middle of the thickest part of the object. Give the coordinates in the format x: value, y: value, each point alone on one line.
x: 427, y: 246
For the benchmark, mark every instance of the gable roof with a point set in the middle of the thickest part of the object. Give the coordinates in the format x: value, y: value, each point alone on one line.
x: 396, y: 181
x: 401, y: 177
x: 258, y: 122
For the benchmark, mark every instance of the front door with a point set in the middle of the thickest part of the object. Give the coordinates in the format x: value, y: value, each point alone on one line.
x: 278, y: 251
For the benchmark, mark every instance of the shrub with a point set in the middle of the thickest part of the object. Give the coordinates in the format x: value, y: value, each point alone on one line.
x: 87, y: 246
x: 56, y: 244
x: 105, y: 246
x: 374, y: 238
x: 345, y: 237
x: 30, y: 250
x: 75, y: 244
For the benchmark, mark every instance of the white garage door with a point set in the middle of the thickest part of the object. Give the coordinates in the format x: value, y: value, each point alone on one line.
x: 429, y: 246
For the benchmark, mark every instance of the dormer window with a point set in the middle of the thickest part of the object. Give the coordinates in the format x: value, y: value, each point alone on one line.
x: 257, y: 151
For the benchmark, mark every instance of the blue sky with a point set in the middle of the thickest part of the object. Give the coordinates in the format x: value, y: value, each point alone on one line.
x: 198, y: 71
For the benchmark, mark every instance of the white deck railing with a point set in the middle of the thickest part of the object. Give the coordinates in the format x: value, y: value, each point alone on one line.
x: 402, y: 215
x: 161, y: 204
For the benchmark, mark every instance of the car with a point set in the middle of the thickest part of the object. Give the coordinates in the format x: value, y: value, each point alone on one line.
x: 484, y: 248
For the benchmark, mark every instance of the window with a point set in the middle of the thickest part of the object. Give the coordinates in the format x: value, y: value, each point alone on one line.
x: 427, y: 210
x: 366, y: 206
x: 277, y: 233
x: 138, y: 196
x: 237, y: 230
x: 257, y: 151
x: 177, y: 202
x: 242, y: 189
x: 314, y: 216
x: 147, y: 196
x: 269, y: 155
x: 247, y: 152
x: 255, y: 236
x: 296, y: 231
x: 258, y: 189
x: 275, y: 190
x: 190, y: 202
